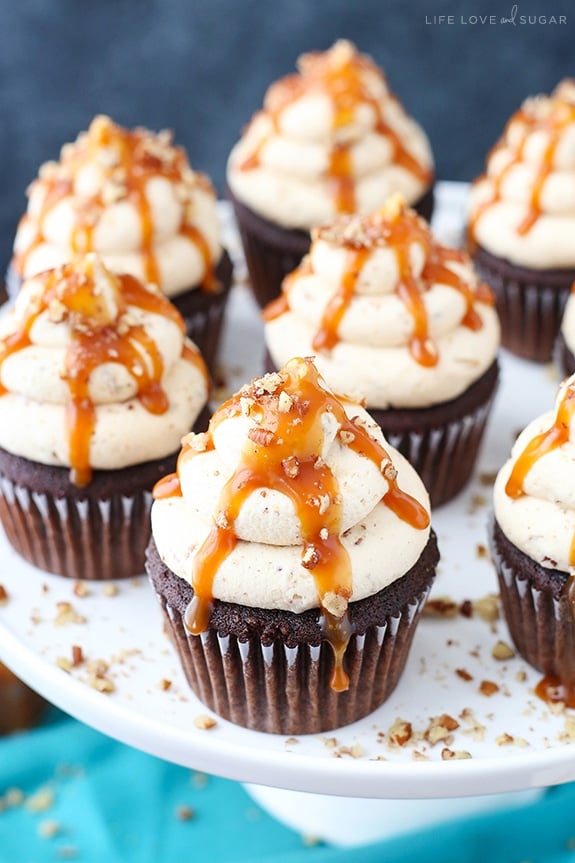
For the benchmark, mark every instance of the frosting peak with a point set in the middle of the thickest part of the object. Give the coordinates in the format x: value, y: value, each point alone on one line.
x: 85, y: 357
x: 331, y: 139
x: 131, y: 196
x: 85, y: 294
x: 381, y: 304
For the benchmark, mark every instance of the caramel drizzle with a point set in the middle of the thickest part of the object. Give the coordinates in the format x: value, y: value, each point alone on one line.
x: 399, y: 235
x: 135, y: 166
x: 554, y: 124
x: 92, y: 345
x: 282, y: 454
x: 344, y: 84
x: 555, y: 436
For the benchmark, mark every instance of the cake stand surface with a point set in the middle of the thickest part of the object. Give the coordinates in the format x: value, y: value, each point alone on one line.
x: 505, y: 739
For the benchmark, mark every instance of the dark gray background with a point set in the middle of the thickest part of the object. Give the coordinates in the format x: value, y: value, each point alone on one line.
x: 201, y: 67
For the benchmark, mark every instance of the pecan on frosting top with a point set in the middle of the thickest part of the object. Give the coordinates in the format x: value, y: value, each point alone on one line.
x: 132, y: 197
x: 95, y: 371
x: 392, y: 315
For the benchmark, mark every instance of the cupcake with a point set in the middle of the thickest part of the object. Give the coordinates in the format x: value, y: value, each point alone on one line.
x: 564, y: 349
x: 97, y: 386
x: 403, y: 323
x: 291, y: 554
x: 331, y: 139
x: 131, y: 196
x: 533, y: 545
x: 522, y: 221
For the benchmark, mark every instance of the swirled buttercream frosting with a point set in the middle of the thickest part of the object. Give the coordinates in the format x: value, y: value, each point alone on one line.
x: 391, y: 315
x: 523, y: 208
x: 132, y: 197
x: 330, y: 139
x: 534, y: 495
x: 95, y: 371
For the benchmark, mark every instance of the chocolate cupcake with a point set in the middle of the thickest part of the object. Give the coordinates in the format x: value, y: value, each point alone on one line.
x: 522, y: 221
x: 97, y: 386
x: 291, y: 554
x: 132, y: 197
x: 533, y: 545
x: 403, y: 323
x: 330, y: 139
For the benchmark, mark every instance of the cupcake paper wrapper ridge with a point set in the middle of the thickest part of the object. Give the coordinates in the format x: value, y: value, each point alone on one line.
x: 285, y: 690
x: 89, y: 539
x: 530, y: 304
x: 538, y: 616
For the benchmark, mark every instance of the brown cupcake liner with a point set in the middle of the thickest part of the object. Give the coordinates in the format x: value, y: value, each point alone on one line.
x: 530, y: 303
x: 285, y: 690
x: 85, y: 539
x: 272, y: 252
x: 98, y: 531
x: 535, y: 606
x: 443, y: 456
x: 269, y: 670
x: 203, y: 312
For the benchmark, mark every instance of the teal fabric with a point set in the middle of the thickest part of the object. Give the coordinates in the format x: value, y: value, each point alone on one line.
x: 113, y: 804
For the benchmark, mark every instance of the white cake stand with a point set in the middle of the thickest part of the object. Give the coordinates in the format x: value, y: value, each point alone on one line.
x: 515, y: 742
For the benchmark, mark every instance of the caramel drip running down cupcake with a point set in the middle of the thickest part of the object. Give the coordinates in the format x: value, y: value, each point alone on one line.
x: 535, y: 509
x: 344, y: 77
x: 292, y: 420
x: 529, y: 183
x: 376, y: 283
x: 129, y: 195
x: 104, y: 319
